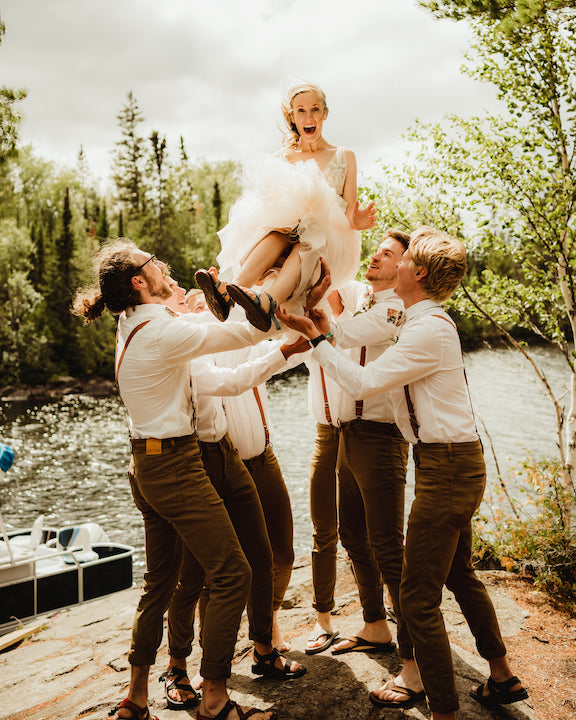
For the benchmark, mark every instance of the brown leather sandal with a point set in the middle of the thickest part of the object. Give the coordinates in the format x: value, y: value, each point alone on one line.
x: 138, y: 713
x: 227, y: 709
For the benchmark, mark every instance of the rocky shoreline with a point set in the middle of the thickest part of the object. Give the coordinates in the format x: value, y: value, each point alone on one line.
x: 76, y: 666
x: 95, y: 387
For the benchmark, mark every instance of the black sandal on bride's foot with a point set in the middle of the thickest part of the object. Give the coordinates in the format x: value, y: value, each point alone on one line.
x: 219, y: 304
x: 266, y: 666
x: 255, y: 313
x: 172, y: 678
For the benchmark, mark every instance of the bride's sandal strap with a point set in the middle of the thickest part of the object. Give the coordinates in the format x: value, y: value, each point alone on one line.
x: 218, y: 303
x: 272, y: 310
x: 255, y: 313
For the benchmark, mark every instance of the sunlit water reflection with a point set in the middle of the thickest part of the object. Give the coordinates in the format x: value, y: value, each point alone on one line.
x: 72, y: 456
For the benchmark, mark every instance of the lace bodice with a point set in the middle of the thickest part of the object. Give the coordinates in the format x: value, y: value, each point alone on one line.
x: 335, y: 171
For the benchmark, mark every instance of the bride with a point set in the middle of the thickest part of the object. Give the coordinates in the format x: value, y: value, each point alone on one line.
x: 297, y: 207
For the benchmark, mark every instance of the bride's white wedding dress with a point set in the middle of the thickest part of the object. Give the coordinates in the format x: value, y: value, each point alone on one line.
x: 279, y: 195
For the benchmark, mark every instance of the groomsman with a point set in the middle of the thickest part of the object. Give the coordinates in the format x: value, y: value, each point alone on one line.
x: 372, y: 454
x: 424, y: 372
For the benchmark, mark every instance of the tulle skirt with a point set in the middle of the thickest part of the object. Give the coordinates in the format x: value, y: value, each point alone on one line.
x: 290, y: 198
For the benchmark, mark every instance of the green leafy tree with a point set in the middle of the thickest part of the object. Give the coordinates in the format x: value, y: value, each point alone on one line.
x: 9, y: 117
x: 513, y: 179
x: 23, y: 357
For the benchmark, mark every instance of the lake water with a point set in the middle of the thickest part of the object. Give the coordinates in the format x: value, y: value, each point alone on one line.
x: 72, y: 455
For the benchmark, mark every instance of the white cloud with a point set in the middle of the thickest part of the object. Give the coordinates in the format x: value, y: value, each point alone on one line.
x: 214, y: 72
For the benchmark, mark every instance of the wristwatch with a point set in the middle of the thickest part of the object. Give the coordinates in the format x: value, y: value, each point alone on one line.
x: 317, y: 340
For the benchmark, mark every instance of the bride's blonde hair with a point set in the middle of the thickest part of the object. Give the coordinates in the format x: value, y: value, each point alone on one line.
x: 291, y: 136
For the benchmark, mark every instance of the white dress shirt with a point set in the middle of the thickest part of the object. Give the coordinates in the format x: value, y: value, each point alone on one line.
x: 427, y: 358
x: 154, y: 377
x: 212, y: 382
x: 245, y: 421
x: 349, y: 295
x: 375, y: 327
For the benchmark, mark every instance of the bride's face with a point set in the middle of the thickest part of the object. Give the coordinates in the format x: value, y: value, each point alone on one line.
x: 309, y: 114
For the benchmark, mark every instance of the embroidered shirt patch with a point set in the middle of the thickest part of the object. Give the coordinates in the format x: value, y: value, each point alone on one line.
x: 395, y: 317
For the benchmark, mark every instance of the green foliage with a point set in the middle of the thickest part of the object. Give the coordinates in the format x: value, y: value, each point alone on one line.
x: 9, y: 117
x: 23, y: 347
x: 54, y: 220
x: 535, y: 537
x: 129, y: 160
x: 508, y: 14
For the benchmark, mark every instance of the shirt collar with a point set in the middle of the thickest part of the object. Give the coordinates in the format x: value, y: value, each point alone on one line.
x: 149, y: 311
x: 388, y: 294
x: 424, y: 307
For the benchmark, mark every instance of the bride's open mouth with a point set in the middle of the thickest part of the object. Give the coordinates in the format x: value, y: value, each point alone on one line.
x: 309, y: 129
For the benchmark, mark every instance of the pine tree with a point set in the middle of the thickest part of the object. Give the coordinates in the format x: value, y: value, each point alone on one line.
x: 102, y: 228
x: 217, y: 204
x: 129, y: 158
x: 158, y: 161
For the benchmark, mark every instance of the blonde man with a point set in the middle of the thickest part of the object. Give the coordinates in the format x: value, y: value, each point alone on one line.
x: 424, y: 371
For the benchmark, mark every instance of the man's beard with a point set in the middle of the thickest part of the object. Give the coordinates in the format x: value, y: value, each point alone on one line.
x: 159, y: 289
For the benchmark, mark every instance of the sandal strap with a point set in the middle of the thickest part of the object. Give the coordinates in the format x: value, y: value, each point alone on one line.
x: 223, y: 714
x: 272, y: 310
x: 141, y: 713
x: 174, y: 672
x: 500, y: 687
x: 269, y: 658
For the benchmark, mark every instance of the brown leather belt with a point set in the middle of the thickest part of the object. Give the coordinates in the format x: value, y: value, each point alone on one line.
x: 156, y: 446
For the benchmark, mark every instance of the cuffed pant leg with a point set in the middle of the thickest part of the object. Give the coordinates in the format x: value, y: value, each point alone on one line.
x: 163, y: 559
x: 449, y: 486
x: 324, y: 514
x: 273, y: 493
x: 354, y: 536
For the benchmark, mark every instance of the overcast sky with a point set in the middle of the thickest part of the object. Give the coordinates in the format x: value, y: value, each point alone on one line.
x: 214, y: 71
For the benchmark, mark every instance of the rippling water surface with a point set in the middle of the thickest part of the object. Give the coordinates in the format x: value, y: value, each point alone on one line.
x: 72, y: 456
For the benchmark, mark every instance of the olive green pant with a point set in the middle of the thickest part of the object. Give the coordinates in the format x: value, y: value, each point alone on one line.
x: 450, y: 480
x: 324, y: 514
x: 181, y: 509
x: 273, y: 493
x: 372, y: 462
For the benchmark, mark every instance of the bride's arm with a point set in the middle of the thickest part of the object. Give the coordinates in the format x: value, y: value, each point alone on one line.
x: 359, y: 219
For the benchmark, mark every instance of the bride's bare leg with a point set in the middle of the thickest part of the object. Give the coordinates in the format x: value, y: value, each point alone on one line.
x: 261, y: 258
x: 287, y: 279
